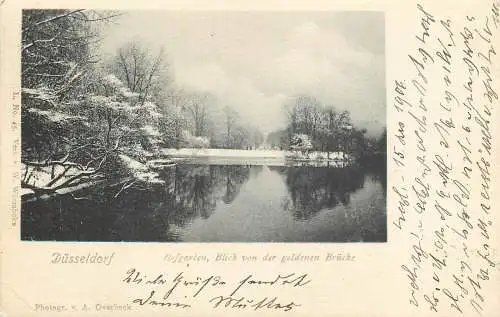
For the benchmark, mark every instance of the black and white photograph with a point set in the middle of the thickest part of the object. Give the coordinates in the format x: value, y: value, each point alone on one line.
x: 203, y: 126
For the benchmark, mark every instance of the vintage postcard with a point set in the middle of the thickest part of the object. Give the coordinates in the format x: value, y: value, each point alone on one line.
x: 226, y: 158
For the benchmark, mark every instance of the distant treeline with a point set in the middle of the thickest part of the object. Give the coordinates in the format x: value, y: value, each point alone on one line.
x: 313, y: 126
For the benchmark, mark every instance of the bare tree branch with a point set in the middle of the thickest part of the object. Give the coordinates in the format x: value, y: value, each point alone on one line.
x: 101, y: 18
x: 58, y: 177
x: 125, y: 68
x: 124, y: 187
x: 25, y: 47
x: 154, y: 69
x: 51, y: 19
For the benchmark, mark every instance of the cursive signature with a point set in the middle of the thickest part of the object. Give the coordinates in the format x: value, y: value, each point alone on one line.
x: 255, y: 304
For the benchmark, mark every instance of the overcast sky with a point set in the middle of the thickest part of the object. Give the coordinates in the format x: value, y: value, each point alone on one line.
x: 255, y: 61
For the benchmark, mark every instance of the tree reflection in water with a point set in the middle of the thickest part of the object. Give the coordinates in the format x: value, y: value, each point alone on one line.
x: 163, y: 212
x: 313, y: 189
x: 155, y: 213
x: 194, y: 190
x: 191, y: 191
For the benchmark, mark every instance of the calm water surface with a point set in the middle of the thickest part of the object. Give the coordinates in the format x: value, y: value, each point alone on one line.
x: 223, y: 203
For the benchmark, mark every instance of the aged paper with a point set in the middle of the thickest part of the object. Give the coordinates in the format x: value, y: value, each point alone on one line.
x: 211, y: 158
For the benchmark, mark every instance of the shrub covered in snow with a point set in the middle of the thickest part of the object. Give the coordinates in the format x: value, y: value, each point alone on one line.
x: 192, y: 141
x: 301, y: 142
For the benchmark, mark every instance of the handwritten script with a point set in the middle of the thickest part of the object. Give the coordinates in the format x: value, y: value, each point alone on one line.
x: 181, y: 290
x: 443, y: 158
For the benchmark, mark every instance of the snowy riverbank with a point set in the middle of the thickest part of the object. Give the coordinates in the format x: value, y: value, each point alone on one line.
x: 257, y: 157
x: 224, y: 153
x: 255, y: 154
x: 148, y: 172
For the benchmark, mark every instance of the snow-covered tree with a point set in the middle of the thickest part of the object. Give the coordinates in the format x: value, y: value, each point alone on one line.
x: 56, y: 65
x: 91, y: 133
x: 80, y: 121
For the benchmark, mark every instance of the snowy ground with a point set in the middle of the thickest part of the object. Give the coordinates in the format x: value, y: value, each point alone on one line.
x: 261, y: 154
x: 255, y: 157
x: 42, y: 176
x: 226, y: 153
x: 318, y: 156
